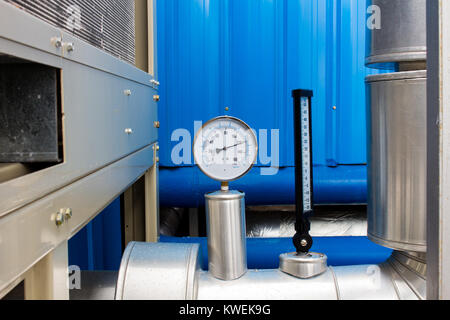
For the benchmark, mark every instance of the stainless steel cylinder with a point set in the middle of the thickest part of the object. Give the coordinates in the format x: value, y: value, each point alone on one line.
x: 396, y: 32
x: 227, y: 249
x: 397, y: 160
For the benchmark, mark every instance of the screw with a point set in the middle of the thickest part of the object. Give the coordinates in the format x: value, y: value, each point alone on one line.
x: 155, y: 82
x: 68, y: 213
x: 127, y: 92
x: 304, y: 243
x: 227, y: 109
x: 156, y: 98
x: 69, y: 46
x: 156, y: 124
x: 56, y: 41
x: 334, y: 107
x: 59, y: 220
x: 128, y: 131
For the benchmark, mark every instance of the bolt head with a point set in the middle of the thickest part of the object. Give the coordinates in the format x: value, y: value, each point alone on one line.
x: 57, y: 42
x: 68, y: 213
x: 59, y: 220
x: 304, y: 243
x: 70, y: 47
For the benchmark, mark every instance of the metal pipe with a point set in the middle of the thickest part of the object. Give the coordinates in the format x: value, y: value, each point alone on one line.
x: 171, y: 272
x: 227, y: 251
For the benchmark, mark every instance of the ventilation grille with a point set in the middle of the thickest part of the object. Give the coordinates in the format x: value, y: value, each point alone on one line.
x: 106, y: 24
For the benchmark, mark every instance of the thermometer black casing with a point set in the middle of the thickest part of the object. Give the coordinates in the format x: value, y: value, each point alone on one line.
x: 302, y: 225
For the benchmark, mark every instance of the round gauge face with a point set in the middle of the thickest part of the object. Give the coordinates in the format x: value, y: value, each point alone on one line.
x: 225, y: 149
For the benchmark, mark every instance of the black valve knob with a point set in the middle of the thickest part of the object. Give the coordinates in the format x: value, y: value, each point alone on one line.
x: 302, y: 242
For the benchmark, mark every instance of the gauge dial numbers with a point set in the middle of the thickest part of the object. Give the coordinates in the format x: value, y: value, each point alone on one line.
x: 225, y: 149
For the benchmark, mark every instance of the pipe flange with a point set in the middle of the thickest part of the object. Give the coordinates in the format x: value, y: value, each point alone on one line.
x: 303, y: 265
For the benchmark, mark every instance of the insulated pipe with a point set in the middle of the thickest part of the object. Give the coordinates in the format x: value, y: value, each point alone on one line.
x: 264, y: 253
x: 171, y: 272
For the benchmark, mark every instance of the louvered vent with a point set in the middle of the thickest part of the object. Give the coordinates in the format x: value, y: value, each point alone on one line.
x: 106, y: 24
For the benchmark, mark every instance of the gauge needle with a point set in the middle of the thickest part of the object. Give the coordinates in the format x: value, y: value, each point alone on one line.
x: 226, y: 148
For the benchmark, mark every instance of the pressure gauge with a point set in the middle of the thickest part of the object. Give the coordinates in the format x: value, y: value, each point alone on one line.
x: 225, y: 149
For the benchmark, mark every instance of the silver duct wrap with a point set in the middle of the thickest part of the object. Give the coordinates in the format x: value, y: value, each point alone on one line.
x: 280, y: 223
x: 171, y: 272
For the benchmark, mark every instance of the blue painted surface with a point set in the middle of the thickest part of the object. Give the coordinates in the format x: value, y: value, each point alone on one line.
x: 98, y: 246
x: 264, y: 253
x: 339, y: 185
x: 249, y: 56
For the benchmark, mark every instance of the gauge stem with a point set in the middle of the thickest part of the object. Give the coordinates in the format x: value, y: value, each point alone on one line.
x: 225, y: 186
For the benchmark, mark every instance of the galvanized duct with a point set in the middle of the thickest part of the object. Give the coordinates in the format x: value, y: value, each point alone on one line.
x: 396, y: 33
x: 171, y: 271
x: 106, y: 24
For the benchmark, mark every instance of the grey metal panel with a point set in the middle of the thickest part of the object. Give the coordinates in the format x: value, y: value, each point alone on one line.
x: 96, y: 112
x: 106, y: 24
x: 30, y: 233
x: 438, y: 119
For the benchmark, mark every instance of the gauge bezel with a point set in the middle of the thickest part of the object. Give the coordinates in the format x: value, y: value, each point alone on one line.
x: 225, y: 118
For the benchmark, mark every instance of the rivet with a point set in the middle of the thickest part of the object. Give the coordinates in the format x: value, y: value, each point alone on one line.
x: 127, y: 92
x: 128, y: 131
